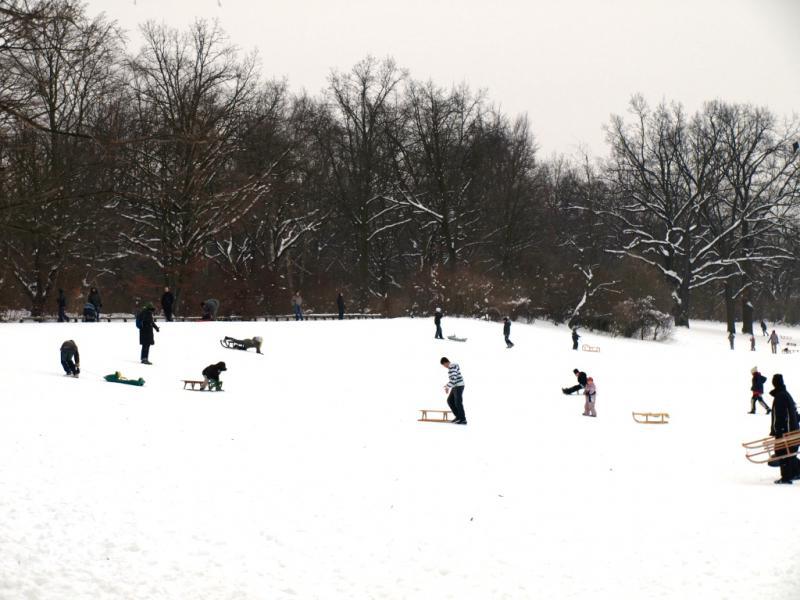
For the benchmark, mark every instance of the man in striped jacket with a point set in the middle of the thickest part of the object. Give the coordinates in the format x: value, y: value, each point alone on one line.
x: 455, y: 389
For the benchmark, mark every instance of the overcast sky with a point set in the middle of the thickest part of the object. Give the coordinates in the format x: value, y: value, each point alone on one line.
x: 568, y: 64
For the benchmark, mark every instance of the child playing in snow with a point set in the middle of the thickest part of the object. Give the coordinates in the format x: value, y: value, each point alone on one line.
x: 70, y: 358
x: 211, y: 376
x: 589, y: 392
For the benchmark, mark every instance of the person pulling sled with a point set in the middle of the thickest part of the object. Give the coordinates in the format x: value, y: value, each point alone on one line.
x: 245, y: 344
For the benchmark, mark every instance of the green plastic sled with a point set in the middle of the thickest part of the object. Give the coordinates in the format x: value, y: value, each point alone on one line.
x: 118, y: 378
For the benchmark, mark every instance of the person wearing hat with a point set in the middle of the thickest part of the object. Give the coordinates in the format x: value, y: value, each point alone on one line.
x: 211, y: 377
x: 507, y: 332
x: 757, y: 387
x: 784, y: 421
x: 437, y: 320
x: 589, y: 392
x: 146, y: 335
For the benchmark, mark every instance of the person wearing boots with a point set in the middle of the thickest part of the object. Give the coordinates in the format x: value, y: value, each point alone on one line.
x: 455, y: 391
x: 146, y: 335
x: 211, y: 377
x: 507, y: 332
x: 167, y: 302
x: 582, y: 380
x: 575, y: 338
x: 437, y: 320
x: 70, y: 358
x: 757, y: 387
x: 784, y: 421
x: 590, y: 393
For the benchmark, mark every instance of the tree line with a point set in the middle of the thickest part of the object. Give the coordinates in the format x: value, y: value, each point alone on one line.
x: 177, y: 164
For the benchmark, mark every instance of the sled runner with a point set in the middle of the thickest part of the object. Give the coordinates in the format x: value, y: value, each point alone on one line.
x: 445, y: 415
x: 193, y: 383
x: 764, y: 450
x: 588, y: 348
x: 453, y: 338
x: 650, y: 418
x: 197, y: 386
x: 234, y: 344
x: 117, y: 377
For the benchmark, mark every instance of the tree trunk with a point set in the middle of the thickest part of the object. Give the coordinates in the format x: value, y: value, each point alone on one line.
x: 747, y: 313
x: 730, y: 306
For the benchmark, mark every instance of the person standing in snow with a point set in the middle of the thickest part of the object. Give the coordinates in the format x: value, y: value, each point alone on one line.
x: 590, y: 393
x: 582, y: 380
x: 575, y: 338
x: 340, y: 305
x: 146, y: 335
x: 455, y: 391
x: 757, y: 387
x: 507, y: 332
x: 752, y: 343
x: 211, y: 376
x: 437, y: 320
x: 94, y: 300
x: 774, y: 341
x: 297, y: 306
x: 70, y: 358
x: 167, y: 302
x: 763, y: 328
x: 62, y: 307
x: 784, y: 421
x: 731, y: 338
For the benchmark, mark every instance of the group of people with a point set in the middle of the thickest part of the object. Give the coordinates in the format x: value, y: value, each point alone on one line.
x: 438, y: 335
x: 773, y: 339
x: 297, y: 306
x: 586, y: 384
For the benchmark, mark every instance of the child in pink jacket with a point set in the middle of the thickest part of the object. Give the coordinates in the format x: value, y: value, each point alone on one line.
x: 590, y: 391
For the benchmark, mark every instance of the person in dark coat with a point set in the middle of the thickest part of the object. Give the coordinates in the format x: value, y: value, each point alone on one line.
x: 784, y: 421
x: 731, y: 338
x: 70, y: 358
x: 575, y: 338
x: 146, y: 336
x: 763, y: 328
x: 582, y: 380
x: 757, y: 387
x: 752, y: 343
x: 211, y: 376
x: 340, y: 305
x: 437, y: 320
x: 62, y: 307
x: 167, y: 302
x: 507, y: 332
x: 94, y: 299
x: 210, y: 308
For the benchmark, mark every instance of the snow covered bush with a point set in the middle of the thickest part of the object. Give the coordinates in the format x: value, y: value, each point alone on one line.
x: 640, y: 318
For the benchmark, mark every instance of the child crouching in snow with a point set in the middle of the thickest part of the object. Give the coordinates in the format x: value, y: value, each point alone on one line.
x: 590, y: 392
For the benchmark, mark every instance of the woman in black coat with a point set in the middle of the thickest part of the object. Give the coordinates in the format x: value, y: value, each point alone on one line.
x: 146, y: 336
x: 784, y: 420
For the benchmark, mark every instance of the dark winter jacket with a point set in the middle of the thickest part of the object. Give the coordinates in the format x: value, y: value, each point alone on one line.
x: 62, y: 300
x: 70, y: 348
x: 575, y: 336
x: 784, y: 413
x: 148, y: 325
x: 507, y: 328
x: 213, y: 371
x: 758, y: 383
x: 94, y: 298
x: 210, y: 308
x: 582, y: 378
x: 437, y: 318
x: 167, y: 300
x: 340, y: 302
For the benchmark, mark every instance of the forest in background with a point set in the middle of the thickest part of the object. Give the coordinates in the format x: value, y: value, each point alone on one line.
x: 178, y: 164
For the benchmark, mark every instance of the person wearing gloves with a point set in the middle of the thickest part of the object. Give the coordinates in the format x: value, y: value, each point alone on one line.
x: 211, y: 376
x: 589, y: 392
x: 784, y: 420
x: 455, y: 391
x: 757, y: 387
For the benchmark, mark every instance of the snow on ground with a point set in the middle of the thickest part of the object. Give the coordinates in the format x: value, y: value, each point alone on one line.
x: 309, y: 477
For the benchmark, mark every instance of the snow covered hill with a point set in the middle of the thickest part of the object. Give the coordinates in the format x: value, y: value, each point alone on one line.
x: 309, y: 477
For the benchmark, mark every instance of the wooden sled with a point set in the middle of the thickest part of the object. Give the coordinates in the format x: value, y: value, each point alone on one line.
x: 117, y: 377
x: 588, y: 348
x: 650, y: 418
x: 763, y: 450
x: 453, y: 338
x: 198, y: 384
x: 446, y: 415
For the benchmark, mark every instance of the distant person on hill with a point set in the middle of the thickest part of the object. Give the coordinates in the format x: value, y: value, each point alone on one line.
x: 62, y: 307
x: 507, y: 332
x: 146, y: 335
x: 70, y: 359
x: 582, y: 380
x: 757, y: 387
x: 774, y: 341
x: 763, y: 328
x: 211, y: 376
x: 210, y: 308
x: 589, y: 392
x: 340, y: 305
x: 575, y: 338
x: 455, y: 391
x: 167, y: 302
x: 297, y: 306
x: 94, y: 300
x: 752, y: 343
x: 784, y: 421
x: 437, y: 320
x: 731, y: 338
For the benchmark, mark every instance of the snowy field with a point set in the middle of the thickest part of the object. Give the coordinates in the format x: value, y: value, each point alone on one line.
x: 309, y: 477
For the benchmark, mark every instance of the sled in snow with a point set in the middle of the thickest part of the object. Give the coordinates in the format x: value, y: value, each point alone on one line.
x: 197, y: 386
x: 445, y: 415
x: 651, y: 418
x: 454, y: 338
x: 588, y: 348
x: 770, y: 448
x: 117, y: 377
